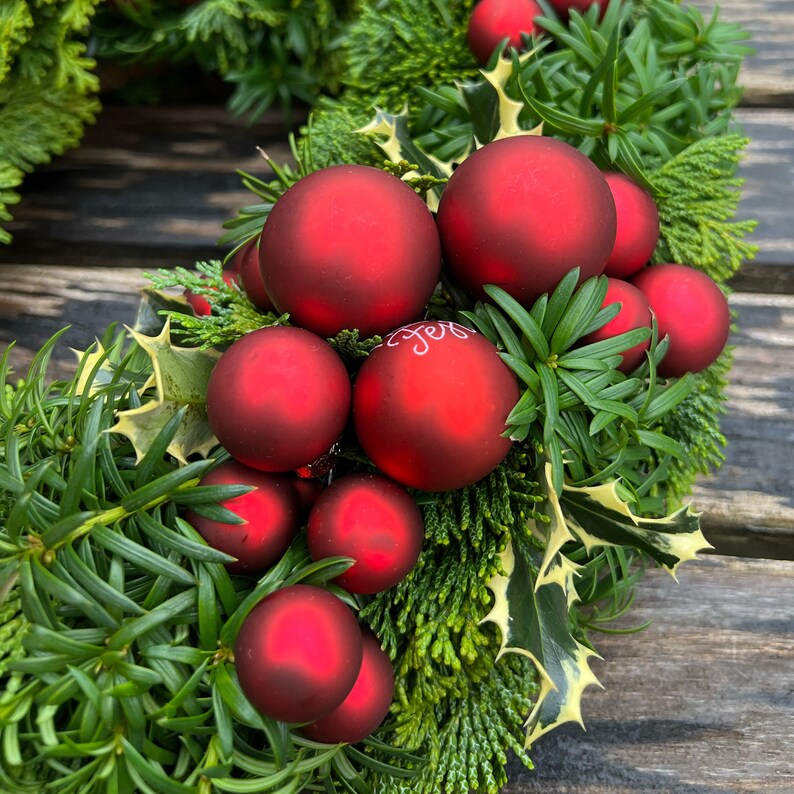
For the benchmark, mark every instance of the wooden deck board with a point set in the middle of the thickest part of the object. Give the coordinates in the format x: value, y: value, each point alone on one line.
x: 699, y: 703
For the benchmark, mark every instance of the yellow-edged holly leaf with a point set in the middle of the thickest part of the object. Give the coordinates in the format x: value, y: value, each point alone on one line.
x: 90, y: 360
x: 507, y: 109
x: 533, y: 621
x: 180, y: 376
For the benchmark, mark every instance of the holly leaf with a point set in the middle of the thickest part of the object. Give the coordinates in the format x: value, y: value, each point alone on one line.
x: 532, y: 616
x: 180, y: 376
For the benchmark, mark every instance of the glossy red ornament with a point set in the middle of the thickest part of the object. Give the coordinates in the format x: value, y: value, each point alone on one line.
x: 430, y: 404
x: 199, y: 303
x: 492, y: 21
x: 692, y: 310
x: 374, y: 521
x: 635, y: 312
x: 365, y: 708
x: 350, y: 247
x: 298, y: 653
x: 270, y: 512
x: 278, y: 398
x: 638, y: 226
x: 520, y: 213
x: 246, y: 262
x: 563, y: 7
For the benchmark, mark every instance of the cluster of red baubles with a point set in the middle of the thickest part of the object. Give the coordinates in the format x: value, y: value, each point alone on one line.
x: 354, y: 247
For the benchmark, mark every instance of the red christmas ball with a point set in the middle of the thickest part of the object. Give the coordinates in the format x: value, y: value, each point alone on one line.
x: 520, y: 213
x: 270, y: 513
x: 307, y: 491
x: 247, y: 260
x: 493, y: 21
x: 638, y: 226
x: 298, y: 653
x: 692, y: 310
x: 365, y: 708
x: 635, y: 312
x: 430, y: 405
x: 563, y: 7
x: 200, y: 305
x: 278, y: 398
x: 350, y: 247
x: 374, y: 521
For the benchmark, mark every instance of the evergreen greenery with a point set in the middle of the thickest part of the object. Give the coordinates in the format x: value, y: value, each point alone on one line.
x: 47, y: 87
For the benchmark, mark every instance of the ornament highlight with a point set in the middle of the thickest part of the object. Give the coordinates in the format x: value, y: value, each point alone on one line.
x: 278, y: 398
x: 350, y: 246
x: 270, y: 512
x: 430, y: 404
x: 520, y: 213
x: 493, y: 21
x: 374, y: 521
x: 365, y: 708
x: 298, y: 653
x: 692, y: 310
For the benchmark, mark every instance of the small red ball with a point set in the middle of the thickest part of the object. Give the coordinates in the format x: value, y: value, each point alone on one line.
x: 430, y: 404
x: 307, y: 491
x: 638, y: 226
x: 350, y: 247
x: 521, y: 212
x: 563, y: 7
x: 374, y: 521
x: 278, y: 398
x: 634, y: 313
x: 692, y: 310
x: 493, y: 21
x: 365, y: 708
x: 298, y: 653
x: 199, y: 303
x: 270, y: 513
x: 246, y: 260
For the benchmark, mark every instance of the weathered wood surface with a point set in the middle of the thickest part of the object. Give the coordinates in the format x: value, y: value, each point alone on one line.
x: 699, y: 703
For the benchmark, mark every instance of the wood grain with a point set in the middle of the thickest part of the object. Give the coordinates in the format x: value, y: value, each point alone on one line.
x: 699, y: 703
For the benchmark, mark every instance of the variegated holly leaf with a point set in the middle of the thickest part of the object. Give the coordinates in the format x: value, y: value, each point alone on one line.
x: 532, y: 617
x: 180, y: 376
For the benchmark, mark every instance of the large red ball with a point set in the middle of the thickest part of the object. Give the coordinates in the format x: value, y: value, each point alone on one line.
x: 278, y: 398
x: 374, y: 521
x: 492, y: 21
x: 363, y: 710
x: 635, y: 312
x: 430, y: 405
x: 270, y: 513
x: 692, y: 310
x: 246, y: 261
x: 563, y: 7
x: 298, y: 653
x: 350, y: 247
x: 521, y: 212
x: 638, y: 226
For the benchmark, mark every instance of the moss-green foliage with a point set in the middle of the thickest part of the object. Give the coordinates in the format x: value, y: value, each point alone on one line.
x: 47, y: 87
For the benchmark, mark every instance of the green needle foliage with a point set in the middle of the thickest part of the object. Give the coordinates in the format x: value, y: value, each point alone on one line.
x: 47, y: 87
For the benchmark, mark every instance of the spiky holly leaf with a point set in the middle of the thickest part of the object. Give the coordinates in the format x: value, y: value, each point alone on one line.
x: 532, y: 616
x: 180, y: 379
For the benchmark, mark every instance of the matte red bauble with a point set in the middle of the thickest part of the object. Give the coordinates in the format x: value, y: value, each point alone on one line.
x: 270, y: 512
x: 365, y: 708
x: 199, y: 303
x: 493, y: 21
x: 350, y: 247
x: 520, y: 213
x: 307, y: 491
x: 247, y: 260
x: 298, y: 653
x: 563, y: 7
x: 278, y: 398
x: 374, y: 521
x: 692, y: 310
x: 635, y: 312
x: 430, y: 405
x: 638, y: 226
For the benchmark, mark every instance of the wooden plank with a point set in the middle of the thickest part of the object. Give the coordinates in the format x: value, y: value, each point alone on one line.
x: 699, y: 703
x: 747, y: 504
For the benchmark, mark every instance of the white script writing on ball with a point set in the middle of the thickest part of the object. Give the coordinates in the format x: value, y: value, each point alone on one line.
x: 424, y: 333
